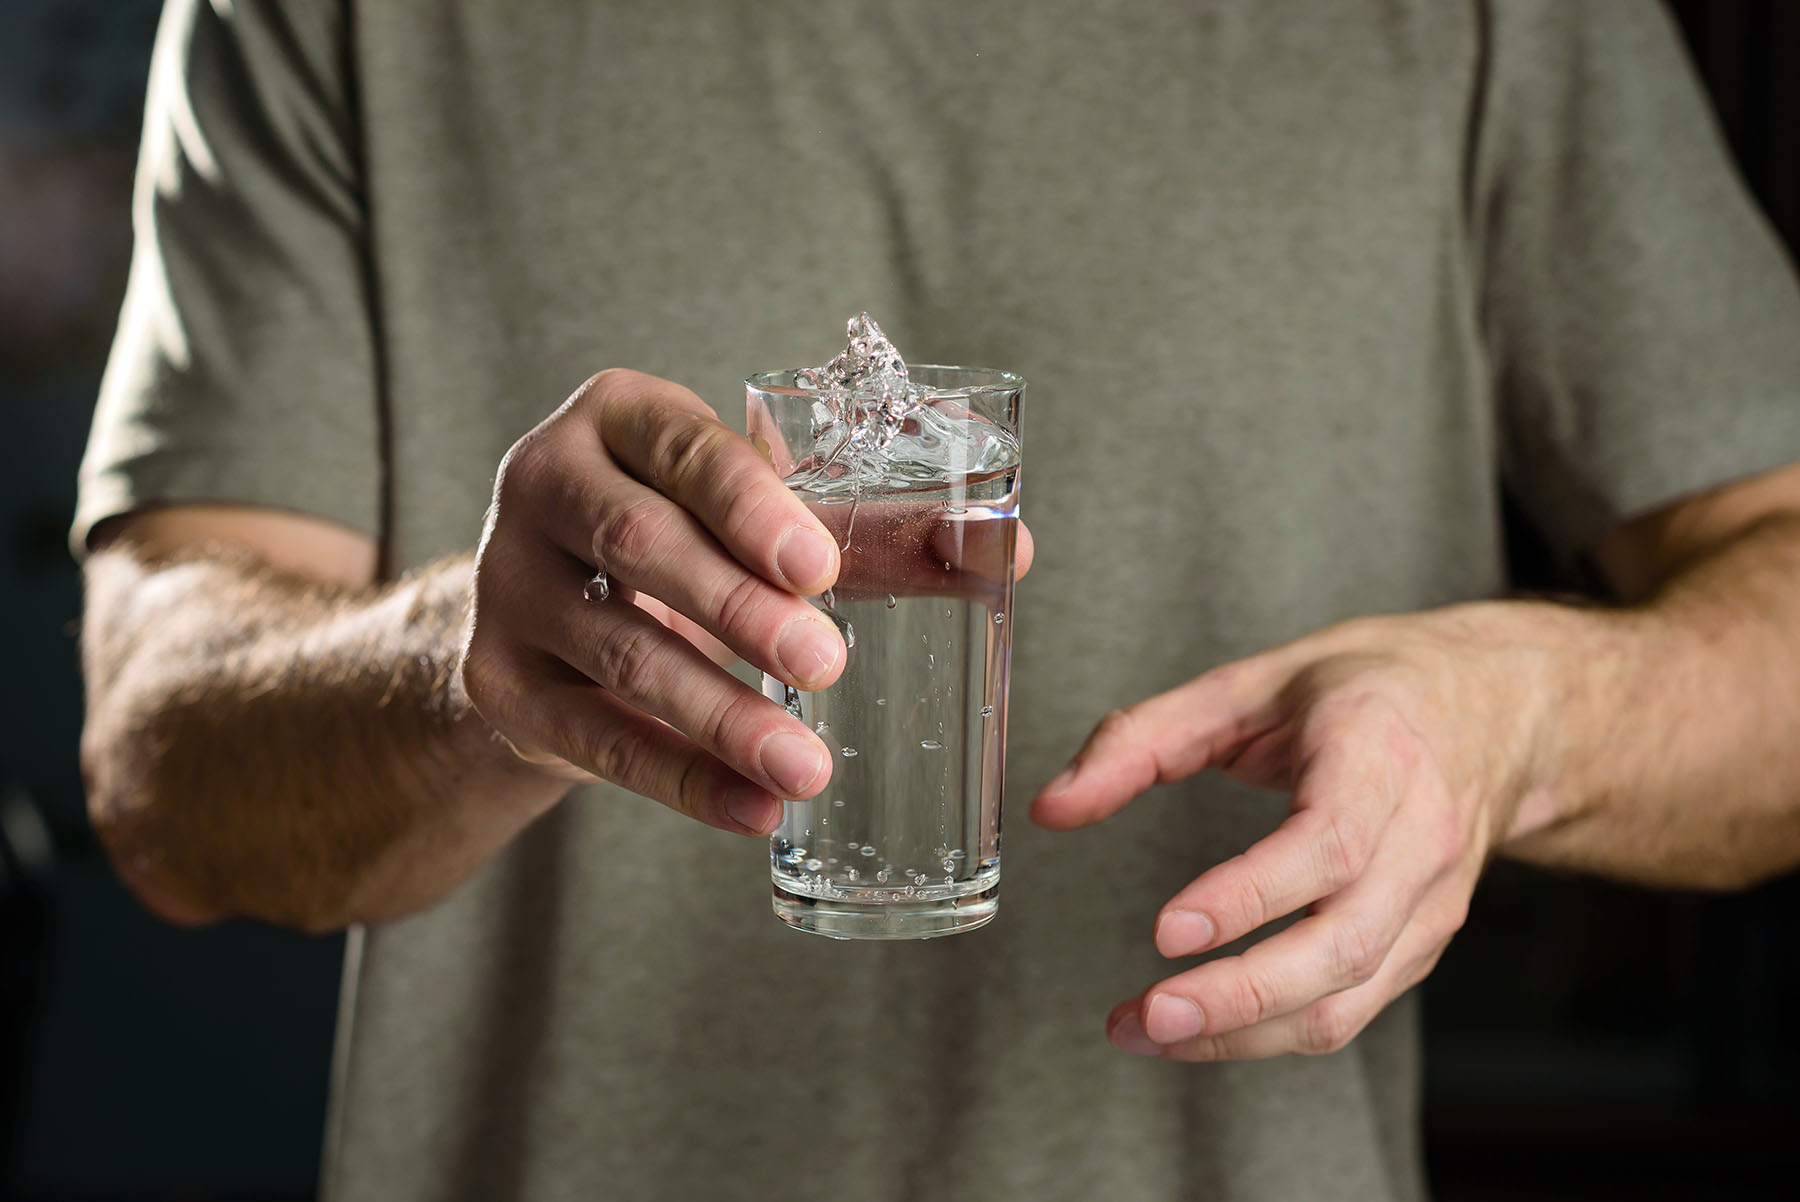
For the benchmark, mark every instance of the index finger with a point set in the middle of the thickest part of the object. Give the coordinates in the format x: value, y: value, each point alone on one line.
x: 671, y: 440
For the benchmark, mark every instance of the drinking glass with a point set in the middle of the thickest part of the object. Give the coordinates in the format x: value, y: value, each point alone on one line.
x: 904, y: 843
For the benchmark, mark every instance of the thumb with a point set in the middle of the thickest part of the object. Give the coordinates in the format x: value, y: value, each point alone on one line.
x: 1165, y: 738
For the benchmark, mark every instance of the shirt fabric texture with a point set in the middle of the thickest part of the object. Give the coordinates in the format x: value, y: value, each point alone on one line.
x: 1299, y: 290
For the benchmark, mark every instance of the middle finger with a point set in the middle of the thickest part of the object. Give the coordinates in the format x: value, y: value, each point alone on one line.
x: 647, y: 541
x: 646, y: 665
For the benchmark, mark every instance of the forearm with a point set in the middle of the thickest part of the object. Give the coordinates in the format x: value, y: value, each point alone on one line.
x: 262, y: 746
x: 1674, y: 748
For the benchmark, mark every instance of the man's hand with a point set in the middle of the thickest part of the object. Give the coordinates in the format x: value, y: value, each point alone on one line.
x: 637, y: 476
x: 1408, y: 744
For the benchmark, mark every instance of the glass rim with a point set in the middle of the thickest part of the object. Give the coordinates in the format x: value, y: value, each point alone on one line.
x: 1004, y: 382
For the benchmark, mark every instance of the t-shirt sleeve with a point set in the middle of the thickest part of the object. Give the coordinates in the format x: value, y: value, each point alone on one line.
x: 244, y: 370
x: 1642, y: 319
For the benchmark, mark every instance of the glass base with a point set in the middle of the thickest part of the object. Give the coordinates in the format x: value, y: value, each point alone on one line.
x: 840, y: 919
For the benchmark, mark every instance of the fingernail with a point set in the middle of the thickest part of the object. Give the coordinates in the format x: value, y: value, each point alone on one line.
x: 1063, y: 780
x: 1127, y: 1036
x: 754, y: 812
x: 804, y: 556
x: 792, y: 761
x: 1171, y: 1019
x: 807, y: 650
x: 1183, y: 932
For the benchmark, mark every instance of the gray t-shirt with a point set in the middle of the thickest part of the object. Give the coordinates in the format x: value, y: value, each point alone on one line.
x: 1298, y: 288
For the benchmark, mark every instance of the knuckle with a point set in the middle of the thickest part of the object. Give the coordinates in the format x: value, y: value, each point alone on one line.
x: 1344, y: 847
x: 1249, y: 898
x: 626, y: 659
x: 1449, y: 837
x: 1328, y: 1028
x: 736, y: 609
x: 1115, y: 726
x: 694, y: 790
x: 1457, y: 915
x: 691, y: 450
x: 631, y: 535
x: 483, y: 679
x: 613, y: 755
x: 527, y: 464
x: 728, y: 728
x: 1254, y: 999
x: 1359, y: 946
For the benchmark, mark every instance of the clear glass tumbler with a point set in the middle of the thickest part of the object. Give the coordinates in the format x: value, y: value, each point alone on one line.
x: 904, y: 843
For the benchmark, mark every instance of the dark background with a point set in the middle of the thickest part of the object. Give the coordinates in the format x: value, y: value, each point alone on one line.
x: 1585, y: 1041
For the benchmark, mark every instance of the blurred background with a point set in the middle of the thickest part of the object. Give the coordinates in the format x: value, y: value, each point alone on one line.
x: 1584, y: 1041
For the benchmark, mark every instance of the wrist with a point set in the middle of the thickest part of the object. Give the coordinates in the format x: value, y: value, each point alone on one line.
x: 1574, y: 669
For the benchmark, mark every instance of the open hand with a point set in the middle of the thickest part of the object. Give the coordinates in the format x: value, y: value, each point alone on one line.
x: 1408, y: 744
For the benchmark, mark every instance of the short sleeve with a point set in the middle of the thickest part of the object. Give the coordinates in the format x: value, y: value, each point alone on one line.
x: 244, y: 367
x: 1642, y: 318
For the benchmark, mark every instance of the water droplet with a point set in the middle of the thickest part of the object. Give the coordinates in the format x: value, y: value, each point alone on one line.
x: 892, y: 601
x: 881, y: 701
x: 867, y: 850
x: 986, y: 710
x: 949, y: 508
x: 814, y: 864
x: 930, y: 660
x: 821, y: 727
x: 791, y: 700
x: 999, y: 619
x: 947, y: 613
x: 849, y: 752
x: 931, y: 745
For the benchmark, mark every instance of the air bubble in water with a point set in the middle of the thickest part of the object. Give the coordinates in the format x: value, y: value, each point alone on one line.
x: 821, y: 728
x: 883, y: 875
x: 931, y: 745
x: 930, y: 660
x: 881, y: 701
x: 999, y: 619
x: 850, y: 874
x: 986, y: 710
x: 814, y: 864
x: 947, y: 613
x: 839, y: 803
x: 949, y: 864
x: 867, y: 850
x: 849, y: 752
